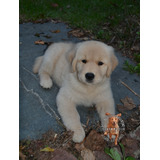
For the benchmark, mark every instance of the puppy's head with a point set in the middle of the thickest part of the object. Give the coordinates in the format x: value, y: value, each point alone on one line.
x: 93, y: 62
x: 113, y: 120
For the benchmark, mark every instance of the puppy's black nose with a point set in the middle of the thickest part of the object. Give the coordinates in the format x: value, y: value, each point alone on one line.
x: 89, y: 76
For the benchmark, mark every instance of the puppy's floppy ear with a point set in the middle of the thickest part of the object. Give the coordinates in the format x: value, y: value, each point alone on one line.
x: 113, y: 62
x: 107, y: 114
x: 74, y: 62
x: 71, y: 58
x: 71, y: 55
x: 119, y: 115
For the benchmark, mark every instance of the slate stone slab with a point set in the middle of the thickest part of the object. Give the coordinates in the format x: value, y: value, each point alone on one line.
x: 37, y: 106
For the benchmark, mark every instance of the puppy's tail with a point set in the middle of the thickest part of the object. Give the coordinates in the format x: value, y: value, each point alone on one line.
x: 37, y: 64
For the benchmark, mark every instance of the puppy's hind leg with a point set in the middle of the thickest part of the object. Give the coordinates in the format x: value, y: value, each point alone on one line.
x: 45, y: 80
x: 37, y: 64
x: 43, y: 68
x: 45, y: 73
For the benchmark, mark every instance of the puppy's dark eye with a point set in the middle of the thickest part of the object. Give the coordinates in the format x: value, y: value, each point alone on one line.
x: 100, y: 63
x: 84, y: 61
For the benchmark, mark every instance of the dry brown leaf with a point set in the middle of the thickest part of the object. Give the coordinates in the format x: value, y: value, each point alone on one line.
x: 39, y: 42
x: 55, y: 31
x: 83, y: 35
x: 128, y: 105
x: 76, y: 32
x: 42, y: 42
x: 121, y: 108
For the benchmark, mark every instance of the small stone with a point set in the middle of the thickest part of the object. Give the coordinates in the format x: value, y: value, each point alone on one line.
x: 58, y: 154
x: 94, y: 141
x: 131, y: 146
x: 79, y: 147
x: 87, y: 154
x: 101, y: 155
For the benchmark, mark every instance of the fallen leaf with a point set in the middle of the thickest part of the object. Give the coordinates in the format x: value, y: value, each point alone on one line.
x: 39, y: 42
x: 121, y: 108
x: 42, y: 42
x: 76, y: 32
x: 47, y: 149
x: 54, y: 5
x: 128, y: 105
x: 55, y: 31
x: 81, y: 34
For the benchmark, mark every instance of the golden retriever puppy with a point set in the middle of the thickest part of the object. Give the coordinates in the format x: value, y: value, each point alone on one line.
x: 82, y: 71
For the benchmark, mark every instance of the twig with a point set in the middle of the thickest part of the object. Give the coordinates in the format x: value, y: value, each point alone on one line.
x: 130, y: 89
x: 112, y: 39
x: 87, y: 122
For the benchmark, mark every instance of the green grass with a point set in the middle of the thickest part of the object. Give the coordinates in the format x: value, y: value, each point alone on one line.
x: 133, y: 68
x: 115, y: 22
x: 81, y: 13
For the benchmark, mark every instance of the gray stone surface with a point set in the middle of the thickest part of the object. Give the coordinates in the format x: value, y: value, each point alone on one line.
x: 37, y: 106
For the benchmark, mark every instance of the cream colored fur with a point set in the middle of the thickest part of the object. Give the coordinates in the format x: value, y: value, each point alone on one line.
x: 62, y: 62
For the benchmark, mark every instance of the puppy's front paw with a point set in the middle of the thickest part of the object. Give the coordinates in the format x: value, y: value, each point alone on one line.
x: 46, y: 83
x: 78, y: 135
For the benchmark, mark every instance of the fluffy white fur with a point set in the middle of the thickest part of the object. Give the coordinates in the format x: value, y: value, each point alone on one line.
x: 64, y: 63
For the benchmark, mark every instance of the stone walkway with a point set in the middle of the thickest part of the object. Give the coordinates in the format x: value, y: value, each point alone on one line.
x: 38, y: 111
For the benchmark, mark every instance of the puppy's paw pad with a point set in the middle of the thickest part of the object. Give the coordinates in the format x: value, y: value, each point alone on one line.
x: 78, y: 136
x: 47, y: 83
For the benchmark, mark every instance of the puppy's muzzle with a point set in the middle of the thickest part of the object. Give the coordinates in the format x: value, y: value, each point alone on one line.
x: 89, y: 77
